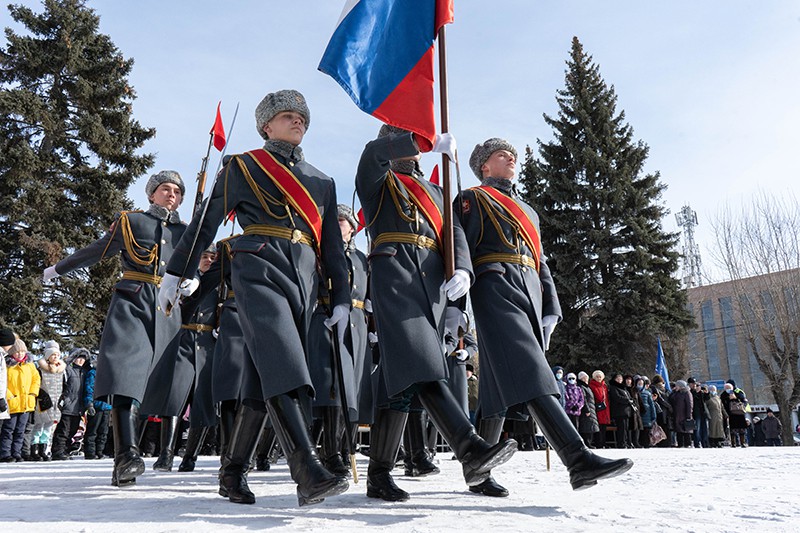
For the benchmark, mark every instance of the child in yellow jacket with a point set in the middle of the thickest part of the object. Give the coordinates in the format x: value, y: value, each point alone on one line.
x: 23, y: 382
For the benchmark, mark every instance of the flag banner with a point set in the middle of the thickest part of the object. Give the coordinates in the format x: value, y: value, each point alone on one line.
x: 661, y: 366
x: 218, y: 131
x: 381, y: 53
x: 435, y: 175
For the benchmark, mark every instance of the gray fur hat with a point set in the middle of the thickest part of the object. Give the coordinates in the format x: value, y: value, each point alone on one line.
x: 165, y: 176
x: 346, y: 212
x: 386, y: 129
x: 482, y: 152
x: 274, y: 103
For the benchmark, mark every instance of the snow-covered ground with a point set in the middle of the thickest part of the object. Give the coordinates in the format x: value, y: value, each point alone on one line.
x: 754, y: 489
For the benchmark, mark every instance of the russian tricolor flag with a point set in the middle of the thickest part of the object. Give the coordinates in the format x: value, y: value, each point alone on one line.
x: 381, y: 53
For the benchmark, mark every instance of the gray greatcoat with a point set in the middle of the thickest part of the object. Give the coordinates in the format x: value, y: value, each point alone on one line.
x: 320, y: 351
x: 139, y: 342
x: 275, y: 280
x: 587, y: 423
x: 458, y: 369
x: 405, y: 280
x: 508, y: 301
x: 717, y: 418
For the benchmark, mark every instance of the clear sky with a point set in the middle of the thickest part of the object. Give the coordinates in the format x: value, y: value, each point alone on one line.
x: 711, y: 87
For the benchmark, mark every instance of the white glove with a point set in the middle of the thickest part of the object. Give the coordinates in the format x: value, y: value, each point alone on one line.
x: 454, y: 320
x: 168, y: 292
x: 339, y: 318
x: 458, y: 285
x: 445, y: 144
x: 188, y: 286
x: 461, y: 355
x: 372, y: 337
x: 548, y: 325
x: 50, y: 273
x: 368, y: 305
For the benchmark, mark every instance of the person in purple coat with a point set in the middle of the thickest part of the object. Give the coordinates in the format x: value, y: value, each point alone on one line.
x: 573, y: 399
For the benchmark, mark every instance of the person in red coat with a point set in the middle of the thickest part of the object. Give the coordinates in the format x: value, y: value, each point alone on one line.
x: 600, y: 390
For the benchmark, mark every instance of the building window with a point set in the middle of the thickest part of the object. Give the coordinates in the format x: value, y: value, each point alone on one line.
x: 710, y: 337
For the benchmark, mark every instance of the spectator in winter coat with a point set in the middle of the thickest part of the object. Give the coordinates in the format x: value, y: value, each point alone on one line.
x: 772, y: 428
x: 573, y: 399
x: 52, y: 368
x: 601, y: 403
x: 648, y: 412
x: 682, y: 405
x: 558, y: 372
x: 97, y: 416
x: 621, y: 405
x: 23, y: 386
x: 587, y: 425
x: 7, y: 340
x: 71, y: 403
x: 635, y: 422
x: 736, y: 420
x: 717, y: 418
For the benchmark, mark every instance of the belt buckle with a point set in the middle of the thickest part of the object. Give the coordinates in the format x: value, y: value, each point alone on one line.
x: 421, y: 241
x: 296, y: 236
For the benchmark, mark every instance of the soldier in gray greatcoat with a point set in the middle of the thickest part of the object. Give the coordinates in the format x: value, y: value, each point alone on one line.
x: 327, y: 403
x: 516, y: 308
x: 409, y: 294
x: 192, y: 375
x: 139, y: 343
x: 288, y: 211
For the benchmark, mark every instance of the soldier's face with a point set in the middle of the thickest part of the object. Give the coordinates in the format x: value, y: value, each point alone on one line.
x: 205, y: 261
x: 167, y: 195
x: 286, y: 126
x: 346, y: 229
x: 501, y: 164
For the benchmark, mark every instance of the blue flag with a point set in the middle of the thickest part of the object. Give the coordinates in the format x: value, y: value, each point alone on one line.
x: 661, y: 366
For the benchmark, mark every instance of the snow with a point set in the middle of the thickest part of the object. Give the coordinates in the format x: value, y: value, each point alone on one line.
x: 667, y: 490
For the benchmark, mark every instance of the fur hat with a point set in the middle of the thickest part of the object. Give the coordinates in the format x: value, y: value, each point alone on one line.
x: 387, y: 129
x: 482, y: 152
x: 583, y: 376
x: 274, y: 103
x: 681, y: 384
x: 7, y: 337
x: 346, y: 212
x: 50, y: 348
x: 18, y: 351
x: 165, y: 176
x: 79, y: 352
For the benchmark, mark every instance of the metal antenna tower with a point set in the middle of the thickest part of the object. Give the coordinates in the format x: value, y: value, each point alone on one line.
x: 687, y: 220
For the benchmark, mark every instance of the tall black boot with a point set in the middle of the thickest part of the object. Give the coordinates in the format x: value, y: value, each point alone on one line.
x: 265, y: 446
x: 331, y: 439
x: 477, y: 456
x: 169, y: 436
x: 227, y: 415
x: 127, y: 463
x: 314, y: 481
x: 418, y: 463
x: 247, y: 429
x: 384, y: 441
x: 490, y: 429
x: 193, y: 443
x: 585, y: 468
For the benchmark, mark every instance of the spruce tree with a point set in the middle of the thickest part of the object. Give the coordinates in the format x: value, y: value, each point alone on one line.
x: 613, y: 264
x: 68, y: 153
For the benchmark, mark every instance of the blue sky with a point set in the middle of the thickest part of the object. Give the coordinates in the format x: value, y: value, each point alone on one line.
x: 710, y: 86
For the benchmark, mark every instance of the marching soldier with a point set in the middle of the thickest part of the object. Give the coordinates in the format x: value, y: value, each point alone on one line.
x: 409, y: 294
x: 327, y: 403
x: 288, y: 211
x: 516, y: 308
x: 139, y: 343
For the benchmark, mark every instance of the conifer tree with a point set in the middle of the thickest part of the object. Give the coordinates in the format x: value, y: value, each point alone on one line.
x: 68, y: 153
x: 613, y: 264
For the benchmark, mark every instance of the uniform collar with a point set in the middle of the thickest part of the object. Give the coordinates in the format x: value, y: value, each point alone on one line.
x: 502, y: 184
x: 162, y: 213
x: 284, y: 148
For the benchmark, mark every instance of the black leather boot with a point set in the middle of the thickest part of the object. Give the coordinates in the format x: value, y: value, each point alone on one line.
x: 127, y: 462
x: 246, y: 431
x: 331, y: 433
x: 490, y: 429
x: 227, y: 415
x: 477, y: 456
x: 585, y: 468
x: 265, y: 446
x: 169, y: 434
x: 314, y: 481
x: 417, y: 462
x: 384, y: 442
x: 193, y: 443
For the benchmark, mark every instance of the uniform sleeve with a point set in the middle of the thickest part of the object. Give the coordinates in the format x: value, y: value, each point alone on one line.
x: 375, y: 163
x: 332, y: 249
x: 108, y: 245
x: 461, y: 252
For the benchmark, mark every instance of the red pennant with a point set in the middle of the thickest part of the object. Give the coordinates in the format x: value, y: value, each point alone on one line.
x: 231, y: 216
x: 218, y: 131
x: 435, y: 175
x: 362, y: 222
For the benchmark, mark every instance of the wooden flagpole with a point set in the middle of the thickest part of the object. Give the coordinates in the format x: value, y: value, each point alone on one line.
x: 447, y: 208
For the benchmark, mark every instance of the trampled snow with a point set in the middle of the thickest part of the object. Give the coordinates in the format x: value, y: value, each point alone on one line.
x: 753, y: 489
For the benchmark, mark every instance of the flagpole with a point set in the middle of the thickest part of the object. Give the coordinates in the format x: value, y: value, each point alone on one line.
x: 447, y: 208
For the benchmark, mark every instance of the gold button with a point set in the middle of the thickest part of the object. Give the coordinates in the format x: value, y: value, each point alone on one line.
x: 163, y: 241
x: 163, y: 263
x: 424, y: 275
x: 291, y: 163
x: 164, y: 223
x: 200, y: 314
x: 296, y: 236
x: 524, y: 269
x: 158, y: 308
